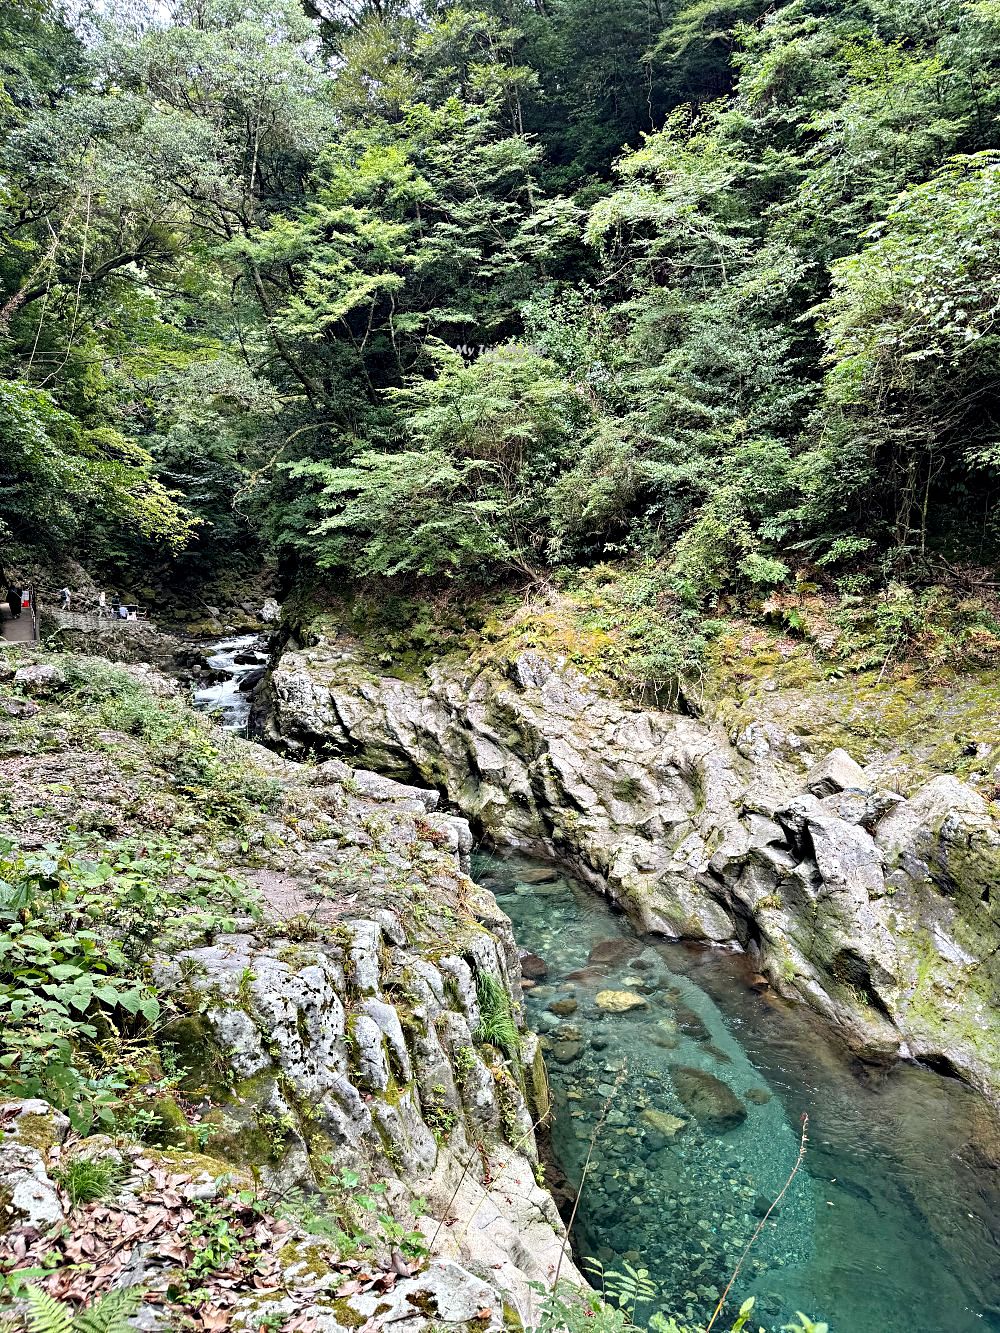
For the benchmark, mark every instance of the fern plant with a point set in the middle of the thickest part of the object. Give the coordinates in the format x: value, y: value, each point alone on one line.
x: 496, y: 1019
x: 110, y: 1313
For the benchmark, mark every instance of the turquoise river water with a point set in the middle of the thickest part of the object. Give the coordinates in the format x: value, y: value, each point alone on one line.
x: 891, y: 1225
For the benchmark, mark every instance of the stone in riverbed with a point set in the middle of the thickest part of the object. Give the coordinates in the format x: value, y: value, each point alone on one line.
x: 587, y: 974
x: 759, y: 1096
x: 692, y: 1025
x: 564, y: 1006
x: 667, y: 1041
x: 620, y: 1001
x: 565, y: 1052
x: 664, y: 1123
x: 711, y: 1101
x: 614, y: 951
x: 539, y: 875
x: 533, y: 967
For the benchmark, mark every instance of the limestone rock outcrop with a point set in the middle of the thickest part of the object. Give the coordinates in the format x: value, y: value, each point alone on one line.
x: 139, y: 1236
x: 882, y: 912
x: 345, y: 1029
x: 29, y: 1129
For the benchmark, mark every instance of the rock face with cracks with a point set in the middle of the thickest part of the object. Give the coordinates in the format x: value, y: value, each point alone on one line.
x: 359, y: 1047
x: 332, y: 1033
x: 881, y: 912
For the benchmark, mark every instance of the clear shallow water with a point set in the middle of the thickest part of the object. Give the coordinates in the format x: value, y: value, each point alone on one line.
x: 223, y: 699
x: 891, y: 1226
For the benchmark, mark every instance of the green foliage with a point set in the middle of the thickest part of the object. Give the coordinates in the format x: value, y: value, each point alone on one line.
x: 78, y: 924
x: 217, y: 1243
x: 59, y: 479
x: 86, y: 1179
x: 928, y: 629
x: 569, y: 1310
x: 496, y: 1019
x: 203, y: 766
x: 110, y: 1313
x: 488, y: 438
x: 316, y: 279
x: 910, y: 331
x: 354, y: 1214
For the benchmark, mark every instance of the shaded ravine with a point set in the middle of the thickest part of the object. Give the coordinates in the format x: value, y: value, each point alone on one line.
x: 891, y: 1227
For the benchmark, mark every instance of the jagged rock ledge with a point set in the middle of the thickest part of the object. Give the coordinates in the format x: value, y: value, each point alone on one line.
x: 881, y: 912
x: 348, y: 1031
x: 338, y: 1030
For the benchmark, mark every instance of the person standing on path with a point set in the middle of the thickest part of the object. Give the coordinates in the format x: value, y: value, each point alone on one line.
x: 14, y: 601
x: 64, y: 599
x: 102, y: 604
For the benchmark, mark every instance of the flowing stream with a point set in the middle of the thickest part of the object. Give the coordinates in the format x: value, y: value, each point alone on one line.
x: 890, y: 1226
x: 233, y: 660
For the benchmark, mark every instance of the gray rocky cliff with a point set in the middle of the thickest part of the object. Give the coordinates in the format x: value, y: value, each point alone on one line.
x: 883, y: 913
x: 337, y: 1031
x: 343, y: 1031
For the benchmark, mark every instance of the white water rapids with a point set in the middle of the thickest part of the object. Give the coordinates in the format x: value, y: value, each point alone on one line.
x: 224, y: 700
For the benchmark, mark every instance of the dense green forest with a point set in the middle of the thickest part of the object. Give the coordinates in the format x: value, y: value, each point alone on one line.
x: 485, y: 288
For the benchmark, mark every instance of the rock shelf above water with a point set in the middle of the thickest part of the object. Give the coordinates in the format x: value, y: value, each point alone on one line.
x: 881, y: 912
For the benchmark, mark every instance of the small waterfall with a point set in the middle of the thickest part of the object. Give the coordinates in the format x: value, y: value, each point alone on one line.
x: 226, y: 700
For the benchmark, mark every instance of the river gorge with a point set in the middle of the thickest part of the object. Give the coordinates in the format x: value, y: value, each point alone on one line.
x: 679, y: 1081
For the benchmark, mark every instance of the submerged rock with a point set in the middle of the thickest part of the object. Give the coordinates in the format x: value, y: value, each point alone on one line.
x: 620, y: 1001
x: 711, y: 1101
x: 691, y: 1024
x: 587, y: 974
x: 614, y: 951
x: 566, y: 1051
x: 533, y: 967
x: 538, y: 875
x: 663, y: 1122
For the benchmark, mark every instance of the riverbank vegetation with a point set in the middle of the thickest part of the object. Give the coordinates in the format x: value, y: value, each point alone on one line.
x: 135, y: 831
x: 489, y: 292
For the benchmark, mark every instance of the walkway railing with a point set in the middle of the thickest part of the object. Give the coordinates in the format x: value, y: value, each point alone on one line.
x: 23, y: 629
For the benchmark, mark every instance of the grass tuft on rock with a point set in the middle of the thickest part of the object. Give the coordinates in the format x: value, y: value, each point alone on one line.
x: 496, y: 1023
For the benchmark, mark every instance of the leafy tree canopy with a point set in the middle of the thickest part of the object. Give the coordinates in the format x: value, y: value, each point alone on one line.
x: 404, y: 290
